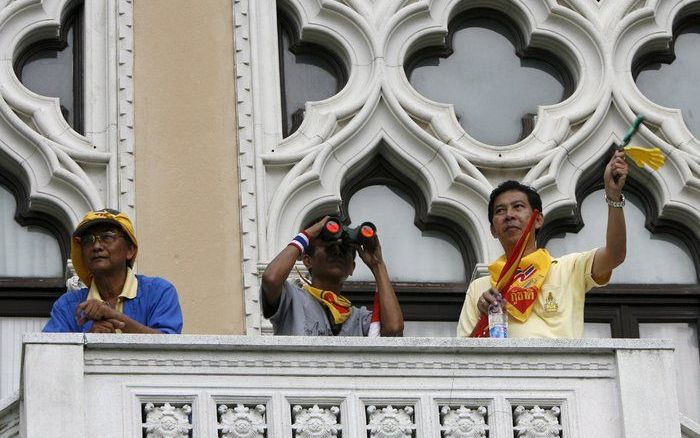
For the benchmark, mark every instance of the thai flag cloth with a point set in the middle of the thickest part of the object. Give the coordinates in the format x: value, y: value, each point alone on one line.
x: 375, y: 326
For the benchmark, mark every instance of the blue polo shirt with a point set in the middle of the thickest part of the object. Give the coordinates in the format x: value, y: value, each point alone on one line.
x: 155, y: 305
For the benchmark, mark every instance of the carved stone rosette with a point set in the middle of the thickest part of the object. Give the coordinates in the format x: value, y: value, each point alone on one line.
x: 167, y: 421
x: 536, y: 422
x: 389, y: 422
x: 315, y: 422
x: 242, y: 421
x: 463, y: 422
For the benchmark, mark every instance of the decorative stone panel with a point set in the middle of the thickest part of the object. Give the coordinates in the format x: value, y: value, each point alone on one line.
x: 242, y: 421
x: 389, y: 422
x: 316, y: 422
x: 536, y: 422
x: 167, y: 421
x: 463, y: 422
x: 66, y: 173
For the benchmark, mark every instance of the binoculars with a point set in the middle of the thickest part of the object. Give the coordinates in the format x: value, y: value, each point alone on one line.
x: 334, y: 230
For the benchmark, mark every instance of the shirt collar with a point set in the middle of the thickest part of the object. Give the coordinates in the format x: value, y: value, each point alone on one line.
x: 129, y: 290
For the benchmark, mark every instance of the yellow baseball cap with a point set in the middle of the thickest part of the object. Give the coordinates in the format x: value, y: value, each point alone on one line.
x: 92, y: 218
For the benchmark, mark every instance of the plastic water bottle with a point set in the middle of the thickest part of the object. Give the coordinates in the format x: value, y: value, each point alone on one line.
x: 498, y: 320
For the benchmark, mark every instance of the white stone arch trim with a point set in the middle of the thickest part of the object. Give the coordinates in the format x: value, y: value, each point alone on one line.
x: 545, y: 25
x: 315, y: 182
x: 668, y: 187
x: 22, y: 23
x: 342, y: 30
x: 52, y: 157
x: 650, y: 29
x: 642, y: 31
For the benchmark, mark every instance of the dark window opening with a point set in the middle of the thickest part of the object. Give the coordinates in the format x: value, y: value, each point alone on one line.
x: 54, y: 67
x: 308, y: 73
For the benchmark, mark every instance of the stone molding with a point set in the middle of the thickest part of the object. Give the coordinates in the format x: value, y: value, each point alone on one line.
x: 402, y: 356
x: 285, y: 180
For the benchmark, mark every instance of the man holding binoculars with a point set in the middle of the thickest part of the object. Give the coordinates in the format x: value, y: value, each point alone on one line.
x: 328, y: 251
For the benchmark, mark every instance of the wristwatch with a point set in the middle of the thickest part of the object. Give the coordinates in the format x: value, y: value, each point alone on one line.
x: 615, y: 204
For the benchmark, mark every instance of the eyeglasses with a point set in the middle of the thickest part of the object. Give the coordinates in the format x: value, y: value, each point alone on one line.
x: 106, y: 237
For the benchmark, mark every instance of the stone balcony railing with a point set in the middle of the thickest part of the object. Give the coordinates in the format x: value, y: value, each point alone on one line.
x: 154, y: 386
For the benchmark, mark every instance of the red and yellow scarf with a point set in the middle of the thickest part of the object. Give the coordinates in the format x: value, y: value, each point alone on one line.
x: 338, y: 306
x: 527, y: 282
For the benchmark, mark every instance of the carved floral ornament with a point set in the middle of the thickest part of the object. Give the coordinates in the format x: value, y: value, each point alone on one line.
x: 379, y: 112
x: 389, y: 422
x: 167, y: 421
x: 464, y: 422
x: 315, y: 422
x: 242, y: 421
x: 537, y: 422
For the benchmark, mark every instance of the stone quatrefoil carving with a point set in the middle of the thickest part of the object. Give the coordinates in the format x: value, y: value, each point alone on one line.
x: 536, y: 422
x: 315, y: 422
x: 167, y: 421
x: 242, y: 421
x: 463, y: 422
x: 493, y: 90
x: 389, y: 422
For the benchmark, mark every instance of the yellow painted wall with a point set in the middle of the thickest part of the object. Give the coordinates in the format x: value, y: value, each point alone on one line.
x: 187, y: 207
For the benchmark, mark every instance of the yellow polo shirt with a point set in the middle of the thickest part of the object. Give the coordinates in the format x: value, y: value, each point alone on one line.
x: 558, y: 310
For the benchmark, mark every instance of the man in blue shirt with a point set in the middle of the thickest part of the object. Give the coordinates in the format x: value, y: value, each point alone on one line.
x: 103, y: 250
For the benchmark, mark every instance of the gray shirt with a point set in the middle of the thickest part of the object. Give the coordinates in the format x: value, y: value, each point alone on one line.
x: 299, y: 314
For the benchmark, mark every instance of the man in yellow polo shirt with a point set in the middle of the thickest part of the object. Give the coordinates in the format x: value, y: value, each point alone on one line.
x: 547, y: 295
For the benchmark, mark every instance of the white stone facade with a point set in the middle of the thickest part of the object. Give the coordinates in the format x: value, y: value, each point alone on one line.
x: 285, y: 180
x: 171, y: 386
x: 67, y: 174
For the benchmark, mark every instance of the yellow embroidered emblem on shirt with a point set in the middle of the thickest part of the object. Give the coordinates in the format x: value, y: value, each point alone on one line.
x: 550, y: 304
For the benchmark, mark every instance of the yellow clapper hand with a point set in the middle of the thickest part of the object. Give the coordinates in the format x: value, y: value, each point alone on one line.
x: 652, y: 157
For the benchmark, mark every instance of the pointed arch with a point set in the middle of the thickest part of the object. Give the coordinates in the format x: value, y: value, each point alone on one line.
x: 424, y: 300
x: 381, y: 172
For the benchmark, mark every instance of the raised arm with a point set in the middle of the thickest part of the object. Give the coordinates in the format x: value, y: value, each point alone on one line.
x: 278, y: 270
x: 391, y: 316
x: 613, y: 253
